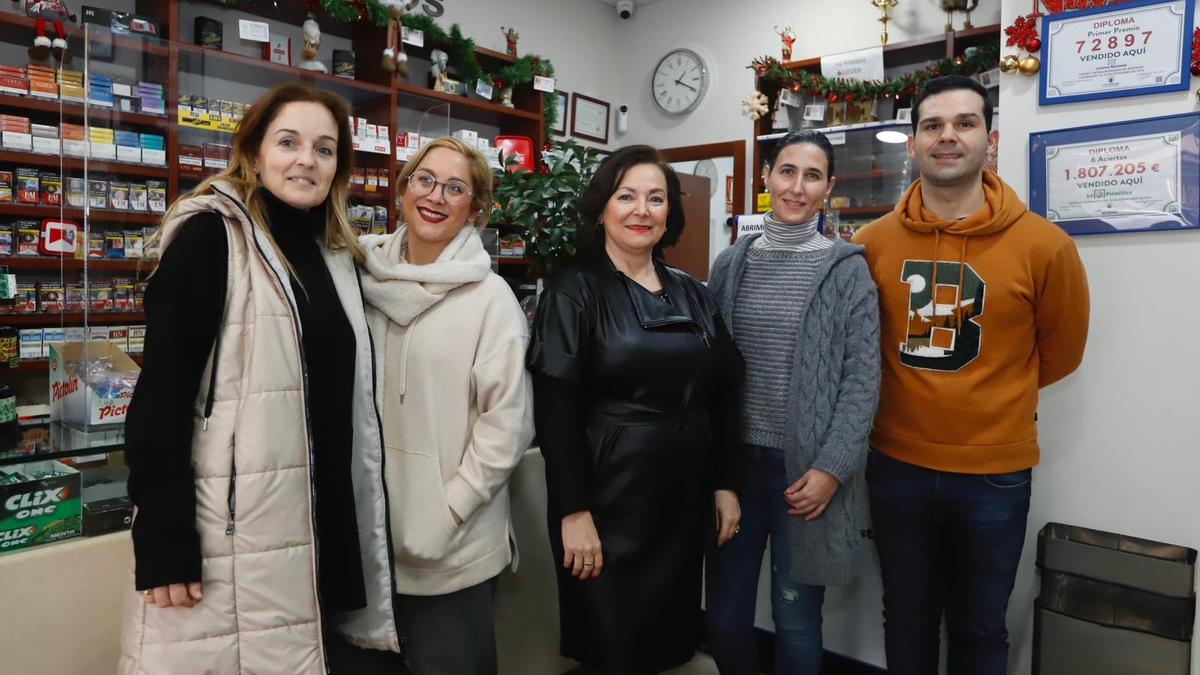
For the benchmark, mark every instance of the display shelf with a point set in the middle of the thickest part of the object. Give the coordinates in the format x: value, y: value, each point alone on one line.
x: 868, y: 175
x: 380, y: 197
x: 74, y: 318
x: 42, y: 366
x: 76, y: 111
x: 878, y: 209
x: 98, y: 264
x: 12, y: 25
x: 52, y: 440
x: 103, y: 215
x: 512, y: 260
x: 841, y: 127
x: 493, y: 54
x: 462, y: 107
x: 76, y: 163
x: 247, y: 69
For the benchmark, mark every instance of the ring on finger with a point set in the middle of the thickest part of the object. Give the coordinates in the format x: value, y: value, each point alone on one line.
x: 588, y: 563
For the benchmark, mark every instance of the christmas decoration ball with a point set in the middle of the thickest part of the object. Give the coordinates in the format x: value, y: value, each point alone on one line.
x: 1009, y: 64
x: 1029, y: 65
x: 1033, y: 44
x: 1196, y: 69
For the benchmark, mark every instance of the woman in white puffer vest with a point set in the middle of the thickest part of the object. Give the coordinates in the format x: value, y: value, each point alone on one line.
x: 254, y: 446
x: 456, y: 406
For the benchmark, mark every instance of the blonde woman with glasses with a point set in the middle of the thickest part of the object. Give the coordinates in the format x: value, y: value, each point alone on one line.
x: 456, y: 407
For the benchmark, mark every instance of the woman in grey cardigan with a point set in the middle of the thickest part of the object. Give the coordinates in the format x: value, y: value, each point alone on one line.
x: 805, y: 315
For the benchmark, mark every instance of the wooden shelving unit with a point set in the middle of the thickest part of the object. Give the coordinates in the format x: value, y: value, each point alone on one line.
x: 377, y: 95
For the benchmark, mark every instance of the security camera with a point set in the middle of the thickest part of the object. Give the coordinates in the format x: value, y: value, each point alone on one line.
x: 622, y: 119
x: 625, y: 9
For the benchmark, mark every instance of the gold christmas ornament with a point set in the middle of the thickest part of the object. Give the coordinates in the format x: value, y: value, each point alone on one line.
x: 1009, y: 63
x: 1029, y: 65
x: 883, y: 6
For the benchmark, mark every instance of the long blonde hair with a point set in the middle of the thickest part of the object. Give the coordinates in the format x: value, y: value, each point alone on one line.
x: 339, y: 235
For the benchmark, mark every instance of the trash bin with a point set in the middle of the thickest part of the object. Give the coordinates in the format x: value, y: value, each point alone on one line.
x: 1112, y: 604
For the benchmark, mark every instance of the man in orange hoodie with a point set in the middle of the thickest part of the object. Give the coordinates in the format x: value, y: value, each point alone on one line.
x: 982, y: 303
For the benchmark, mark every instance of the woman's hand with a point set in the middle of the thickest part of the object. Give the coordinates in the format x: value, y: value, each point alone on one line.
x: 581, y: 546
x: 810, y: 495
x: 175, y: 595
x: 729, y: 515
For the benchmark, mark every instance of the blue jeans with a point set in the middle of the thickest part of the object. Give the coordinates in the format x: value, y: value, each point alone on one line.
x: 732, y: 575
x: 949, y: 543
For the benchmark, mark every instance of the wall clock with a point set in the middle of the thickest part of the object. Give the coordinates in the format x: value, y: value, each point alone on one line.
x: 679, y: 82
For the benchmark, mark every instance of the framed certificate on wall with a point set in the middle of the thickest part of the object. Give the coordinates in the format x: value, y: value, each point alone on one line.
x: 589, y: 118
x: 1130, y: 49
x: 1123, y: 177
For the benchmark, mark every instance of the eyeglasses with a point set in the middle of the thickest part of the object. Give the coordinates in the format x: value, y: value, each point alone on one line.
x: 455, y: 192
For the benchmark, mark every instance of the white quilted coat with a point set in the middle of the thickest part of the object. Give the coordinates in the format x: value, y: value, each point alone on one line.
x: 260, y: 612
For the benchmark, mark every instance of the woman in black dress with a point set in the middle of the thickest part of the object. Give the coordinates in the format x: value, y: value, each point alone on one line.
x: 635, y: 385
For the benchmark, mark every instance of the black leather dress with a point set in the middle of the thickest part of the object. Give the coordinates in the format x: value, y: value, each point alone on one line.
x: 637, y: 414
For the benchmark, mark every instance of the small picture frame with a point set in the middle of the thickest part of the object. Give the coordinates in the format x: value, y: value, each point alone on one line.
x: 990, y: 79
x: 589, y: 118
x: 561, y: 100
x: 814, y: 112
x: 903, y: 114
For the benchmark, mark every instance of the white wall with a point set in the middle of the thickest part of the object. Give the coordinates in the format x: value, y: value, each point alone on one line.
x: 1120, y: 438
x: 730, y: 35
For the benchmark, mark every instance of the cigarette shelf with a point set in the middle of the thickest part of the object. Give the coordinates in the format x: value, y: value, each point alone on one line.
x: 101, y: 215
x: 512, y: 260
x: 75, y: 111
x: 17, y: 157
x: 99, y: 264
x: 74, y: 319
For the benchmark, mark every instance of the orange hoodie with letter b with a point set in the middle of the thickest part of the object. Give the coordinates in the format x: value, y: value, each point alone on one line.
x: 975, y: 316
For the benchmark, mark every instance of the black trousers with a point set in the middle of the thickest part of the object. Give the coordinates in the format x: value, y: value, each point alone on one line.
x: 452, y: 634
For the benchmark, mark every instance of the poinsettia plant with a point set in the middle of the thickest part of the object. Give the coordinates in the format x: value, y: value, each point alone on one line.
x: 543, y: 205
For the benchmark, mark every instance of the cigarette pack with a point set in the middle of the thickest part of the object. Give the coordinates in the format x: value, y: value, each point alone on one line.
x: 52, y: 189
x: 28, y: 234
x: 28, y: 182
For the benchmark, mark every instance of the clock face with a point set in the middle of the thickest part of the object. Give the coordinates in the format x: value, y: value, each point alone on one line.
x: 679, y: 81
x: 708, y: 169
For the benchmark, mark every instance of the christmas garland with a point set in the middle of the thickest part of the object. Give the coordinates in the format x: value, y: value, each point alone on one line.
x: 346, y: 11
x: 461, y: 52
x: 770, y: 69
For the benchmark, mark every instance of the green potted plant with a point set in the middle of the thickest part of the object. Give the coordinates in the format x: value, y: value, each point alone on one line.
x: 542, y: 205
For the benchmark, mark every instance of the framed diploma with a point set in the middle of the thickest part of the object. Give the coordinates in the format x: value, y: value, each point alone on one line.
x: 1131, y: 49
x: 589, y: 118
x: 1123, y: 177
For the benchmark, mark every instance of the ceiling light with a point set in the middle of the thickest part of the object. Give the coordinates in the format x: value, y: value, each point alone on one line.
x: 891, y: 136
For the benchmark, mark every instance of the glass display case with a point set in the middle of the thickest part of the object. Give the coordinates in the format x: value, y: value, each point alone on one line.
x: 93, y: 150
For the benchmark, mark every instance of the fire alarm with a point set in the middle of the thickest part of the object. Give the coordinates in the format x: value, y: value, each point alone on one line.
x: 59, y: 237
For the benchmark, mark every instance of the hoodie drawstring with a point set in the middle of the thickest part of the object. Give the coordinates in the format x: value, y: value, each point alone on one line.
x: 962, y: 269
x: 937, y: 237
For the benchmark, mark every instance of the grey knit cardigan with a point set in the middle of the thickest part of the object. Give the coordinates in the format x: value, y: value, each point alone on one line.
x: 831, y: 400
